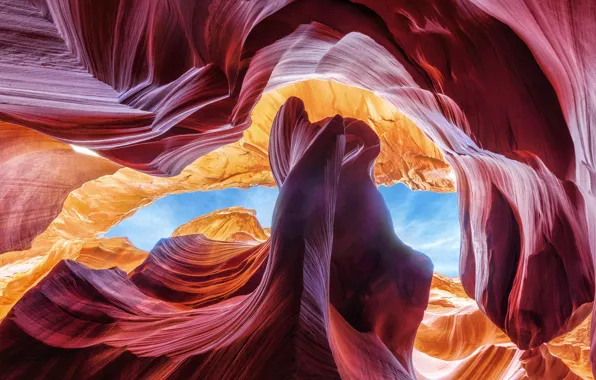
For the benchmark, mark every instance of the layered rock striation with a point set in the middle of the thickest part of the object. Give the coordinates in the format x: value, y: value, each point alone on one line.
x: 457, y: 341
x: 229, y: 300
x: 503, y: 88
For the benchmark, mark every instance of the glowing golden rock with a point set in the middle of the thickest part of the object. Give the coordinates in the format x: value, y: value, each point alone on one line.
x: 574, y: 347
x: 407, y: 155
x: 19, y: 273
x: 457, y: 341
x: 112, y: 252
x: 453, y: 327
x: 229, y: 224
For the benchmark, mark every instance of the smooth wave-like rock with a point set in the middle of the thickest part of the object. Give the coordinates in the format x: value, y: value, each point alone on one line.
x: 454, y: 340
x: 407, y: 155
x: 22, y: 270
x: 233, y: 223
x: 258, y: 329
x: 110, y: 252
x: 37, y: 175
x: 98, y: 205
x: 457, y: 341
x: 19, y: 274
x: 503, y: 88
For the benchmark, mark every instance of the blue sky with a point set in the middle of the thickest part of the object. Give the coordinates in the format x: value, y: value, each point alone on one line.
x: 424, y: 220
x: 428, y: 222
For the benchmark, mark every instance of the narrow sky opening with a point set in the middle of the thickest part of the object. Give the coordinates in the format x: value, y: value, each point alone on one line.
x: 425, y: 220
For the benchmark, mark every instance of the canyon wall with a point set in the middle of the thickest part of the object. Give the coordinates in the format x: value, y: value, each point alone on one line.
x: 504, y: 90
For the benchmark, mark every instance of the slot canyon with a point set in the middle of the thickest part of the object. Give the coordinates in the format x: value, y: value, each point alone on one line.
x: 108, y: 108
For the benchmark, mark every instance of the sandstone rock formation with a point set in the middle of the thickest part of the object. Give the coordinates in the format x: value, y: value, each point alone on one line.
x: 37, y: 175
x: 457, y: 341
x: 504, y: 89
x: 109, y: 253
x: 94, y: 208
x: 234, y: 224
x: 18, y: 274
x: 187, y: 283
x: 454, y: 340
x: 407, y: 155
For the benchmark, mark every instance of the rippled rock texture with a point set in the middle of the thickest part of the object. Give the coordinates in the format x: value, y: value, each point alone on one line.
x: 94, y: 208
x: 454, y: 340
x: 457, y: 341
x: 333, y: 324
x: 503, y: 89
